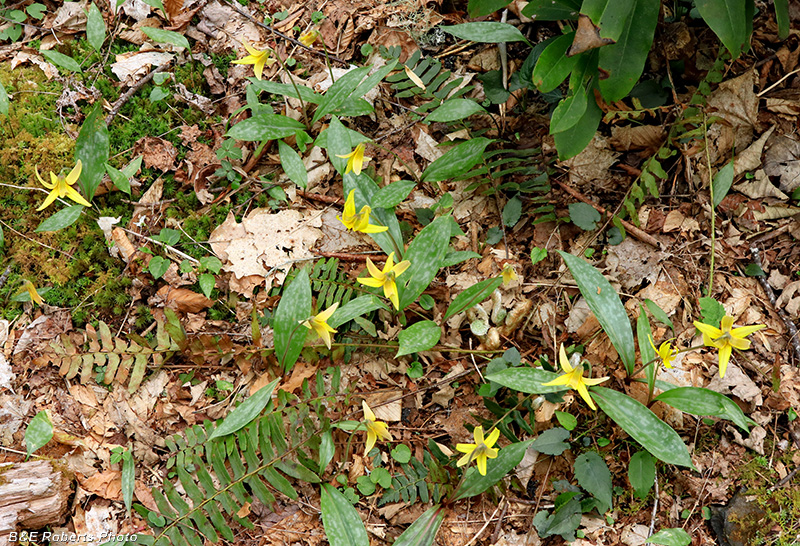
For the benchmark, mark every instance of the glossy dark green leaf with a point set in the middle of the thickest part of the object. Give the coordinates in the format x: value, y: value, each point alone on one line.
x: 604, y: 302
x: 553, y: 65
x: 642, y: 473
x: 423, y: 531
x: 343, y: 526
x: 496, y: 469
x: 245, y: 412
x: 418, y: 337
x: 479, y: 8
x: 782, y: 18
x: 457, y: 161
x: 552, y: 10
x: 569, y: 112
x: 728, y: 20
x: 652, y: 433
x: 340, y: 92
x: 574, y: 140
x: 61, y: 219
x: 455, y: 110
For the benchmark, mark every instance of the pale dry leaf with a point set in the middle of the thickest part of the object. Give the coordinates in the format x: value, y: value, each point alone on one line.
x: 775, y: 212
x: 135, y: 9
x: 782, y: 160
x: 22, y: 57
x: 157, y: 153
x: 736, y: 102
x: 760, y: 187
x: 70, y: 18
x: 633, y: 262
x: 131, y: 66
x: 387, y: 405
x: 637, y: 137
x: 336, y: 237
x: 427, y: 147
x: 750, y: 159
x: 592, y: 164
x: 106, y: 484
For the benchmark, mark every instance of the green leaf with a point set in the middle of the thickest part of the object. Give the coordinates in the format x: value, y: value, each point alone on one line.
x: 355, y: 308
x: 392, y: 194
x: 658, y: 313
x: 584, y: 216
x: 158, y: 266
x: 487, y: 32
x: 343, y: 526
x: 479, y: 8
x: 337, y: 96
x: 63, y: 218
x: 61, y: 60
x: 604, y: 302
x: 128, y: 479
x: 2, y: 238
x: 401, y: 454
x: 711, y: 311
x: 624, y: 61
x: 423, y: 531
x: 722, y: 183
x: 728, y: 20
x: 496, y: 469
x: 754, y: 270
x: 158, y: 4
x: 293, y: 307
x: 132, y: 168
x: 38, y: 433
x: 326, y: 450
x: 782, y: 18
x: 292, y: 164
x: 652, y: 433
x: 285, y: 89
x: 527, y: 380
x: 118, y: 178
x: 593, y: 475
x: 552, y: 10
x: 671, y: 537
x: 566, y: 420
x: 245, y: 412
x: 642, y: 473
x: 264, y: 126
x: 551, y: 441
x: 512, y: 211
x: 569, y: 111
x: 571, y: 142
x: 643, y: 335
x: 166, y: 36
x: 699, y: 401
x: 37, y: 11
x: 455, y: 110
x: 456, y: 161
x: 207, y: 283
x: 472, y: 296
x: 418, y: 337
x: 95, y: 27
x: 425, y: 253
x: 553, y: 65
x: 92, y: 148
x: 455, y: 257
x: 4, y: 102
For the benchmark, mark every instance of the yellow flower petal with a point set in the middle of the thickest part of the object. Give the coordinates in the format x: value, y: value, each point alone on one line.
x: 75, y: 173
x: 368, y: 414
x: 77, y: 197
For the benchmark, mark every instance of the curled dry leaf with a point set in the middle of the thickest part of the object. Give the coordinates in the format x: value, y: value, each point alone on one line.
x: 182, y: 300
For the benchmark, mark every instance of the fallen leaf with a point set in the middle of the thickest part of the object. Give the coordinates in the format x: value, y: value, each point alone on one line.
x: 587, y: 36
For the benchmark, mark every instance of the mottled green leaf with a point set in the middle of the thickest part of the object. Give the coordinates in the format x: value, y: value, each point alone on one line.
x: 293, y: 307
x: 487, y: 32
x: 61, y: 219
x: 343, y: 526
x: 593, y: 475
x: 245, y: 412
x: 292, y: 164
x: 420, y: 336
x: 38, y: 433
x: 166, y: 36
x: 95, y: 27
x: 92, y: 148
x: 496, y: 469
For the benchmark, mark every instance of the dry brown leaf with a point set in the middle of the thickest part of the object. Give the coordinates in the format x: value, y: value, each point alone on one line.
x: 637, y: 137
x: 106, y: 484
x: 173, y: 8
x: 182, y: 300
x: 158, y: 153
x: 587, y: 36
x: 124, y: 244
x: 302, y: 370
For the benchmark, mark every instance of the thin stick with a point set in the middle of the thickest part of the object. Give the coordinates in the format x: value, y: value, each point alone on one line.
x: 794, y: 338
x: 655, y: 510
x: 638, y: 233
x: 132, y: 91
x: 485, y: 525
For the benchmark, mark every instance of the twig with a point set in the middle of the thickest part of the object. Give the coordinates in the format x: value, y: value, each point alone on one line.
x: 347, y: 257
x: 794, y: 339
x: 169, y: 247
x: 496, y: 534
x: 485, y: 525
x: 640, y: 234
x: 132, y: 91
x: 786, y: 479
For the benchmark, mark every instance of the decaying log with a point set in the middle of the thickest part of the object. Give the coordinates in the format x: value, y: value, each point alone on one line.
x: 33, y: 495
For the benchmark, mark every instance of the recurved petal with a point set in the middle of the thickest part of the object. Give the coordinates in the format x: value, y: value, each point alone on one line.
x: 258, y: 67
x: 368, y: 415
x: 400, y: 268
x: 374, y: 283
x: 350, y: 203
x: 594, y: 381
x: 745, y: 331
x: 724, y: 358
x: 563, y: 360
x: 371, y: 228
x: 390, y: 291
x: 492, y: 452
x: 478, y: 435
x: 584, y: 392
x: 492, y: 438
x: 49, y: 201
x: 324, y: 334
x: 560, y: 380
x: 709, y: 332
x: 371, y: 439
x: 326, y: 314
x: 465, y: 459
x: 465, y: 448
x: 726, y: 323
x: 481, y: 462
x: 77, y: 197
x: 75, y: 173
x: 374, y: 271
x: 382, y: 430
x: 739, y: 343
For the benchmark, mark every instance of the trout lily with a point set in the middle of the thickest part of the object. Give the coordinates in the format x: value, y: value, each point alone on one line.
x: 355, y: 159
x: 666, y: 352
x: 480, y: 451
x: 257, y: 58
x: 375, y: 429
x: 509, y: 274
x: 309, y: 37
x: 358, y: 221
x: 386, y: 278
x: 726, y: 339
x: 61, y: 186
x: 319, y: 323
x: 573, y: 378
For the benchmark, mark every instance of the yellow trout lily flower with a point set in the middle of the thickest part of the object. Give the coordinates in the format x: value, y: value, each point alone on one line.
x: 481, y: 450
x: 665, y: 352
x: 319, y: 323
x: 257, y: 58
x: 726, y: 339
x: 386, y: 278
x: 61, y: 186
x: 355, y: 159
x: 309, y: 37
x: 509, y: 274
x: 573, y: 378
x: 375, y: 429
x: 28, y: 287
x: 358, y: 221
